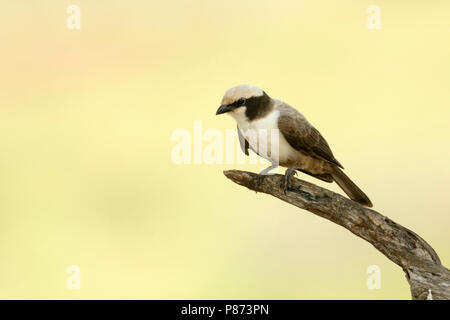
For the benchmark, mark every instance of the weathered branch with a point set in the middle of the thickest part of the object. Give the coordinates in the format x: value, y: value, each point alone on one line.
x: 417, y: 258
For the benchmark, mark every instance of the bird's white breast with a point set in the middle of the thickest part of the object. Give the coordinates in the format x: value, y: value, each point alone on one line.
x: 261, y: 132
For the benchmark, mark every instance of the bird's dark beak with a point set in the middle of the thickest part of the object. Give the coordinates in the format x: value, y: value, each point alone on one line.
x: 224, y: 109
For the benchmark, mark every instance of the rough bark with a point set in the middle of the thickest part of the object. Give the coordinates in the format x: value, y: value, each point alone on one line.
x: 417, y: 258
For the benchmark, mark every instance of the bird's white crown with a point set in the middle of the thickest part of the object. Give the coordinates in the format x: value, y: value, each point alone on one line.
x: 243, y: 91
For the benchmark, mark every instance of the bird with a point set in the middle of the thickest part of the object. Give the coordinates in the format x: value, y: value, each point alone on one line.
x: 299, y: 146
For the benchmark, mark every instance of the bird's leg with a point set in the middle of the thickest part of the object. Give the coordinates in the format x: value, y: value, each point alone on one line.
x: 286, y: 184
x: 260, y: 177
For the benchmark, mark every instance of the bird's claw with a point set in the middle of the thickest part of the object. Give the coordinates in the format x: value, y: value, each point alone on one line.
x: 258, y: 180
x: 287, y: 180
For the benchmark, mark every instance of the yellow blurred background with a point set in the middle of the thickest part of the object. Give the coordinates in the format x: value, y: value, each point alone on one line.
x: 86, y: 118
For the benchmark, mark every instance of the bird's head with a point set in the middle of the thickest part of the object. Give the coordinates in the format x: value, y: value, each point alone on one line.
x: 245, y: 101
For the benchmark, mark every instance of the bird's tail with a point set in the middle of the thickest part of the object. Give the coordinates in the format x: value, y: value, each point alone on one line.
x: 350, y: 188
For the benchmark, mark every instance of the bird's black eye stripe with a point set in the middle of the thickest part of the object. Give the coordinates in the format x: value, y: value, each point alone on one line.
x: 239, y: 102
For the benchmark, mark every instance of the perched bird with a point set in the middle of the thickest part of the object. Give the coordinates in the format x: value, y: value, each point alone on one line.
x: 300, y: 146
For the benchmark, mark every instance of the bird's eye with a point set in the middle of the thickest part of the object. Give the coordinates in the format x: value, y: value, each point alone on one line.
x: 241, y: 102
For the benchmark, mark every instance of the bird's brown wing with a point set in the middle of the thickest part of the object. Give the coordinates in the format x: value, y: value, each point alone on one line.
x: 302, y: 136
x: 243, y: 142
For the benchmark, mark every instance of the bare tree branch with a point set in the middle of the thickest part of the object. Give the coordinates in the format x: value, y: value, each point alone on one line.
x: 417, y: 258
